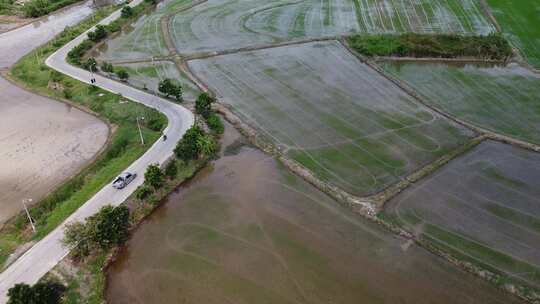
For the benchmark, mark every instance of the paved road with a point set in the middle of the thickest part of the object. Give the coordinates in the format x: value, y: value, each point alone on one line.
x: 44, y: 255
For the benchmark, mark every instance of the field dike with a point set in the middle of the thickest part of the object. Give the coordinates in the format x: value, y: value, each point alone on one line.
x: 368, y: 207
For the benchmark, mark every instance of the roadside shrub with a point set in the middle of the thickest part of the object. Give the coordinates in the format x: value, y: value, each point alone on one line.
x: 215, y: 124
x: 203, y: 105
x: 126, y: 12
x: 187, y: 148
x: 114, y: 26
x: 74, y: 56
x: 207, y: 145
x: 67, y: 93
x: 40, y: 293
x: 107, y: 67
x: 98, y: 34
x: 171, y: 169
x: 122, y: 74
x: 143, y: 192
x: 90, y: 64
x: 154, y: 176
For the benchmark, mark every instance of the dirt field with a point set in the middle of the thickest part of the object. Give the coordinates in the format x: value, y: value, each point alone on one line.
x: 502, y: 99
x: 331, y: 113
x: 246, y: 230
x: 484, y: 205
x: 41, y: 144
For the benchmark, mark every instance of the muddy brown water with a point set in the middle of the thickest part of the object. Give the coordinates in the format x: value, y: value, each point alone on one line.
x: 245, y: 230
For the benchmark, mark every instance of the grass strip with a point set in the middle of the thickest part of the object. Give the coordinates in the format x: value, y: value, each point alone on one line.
x: 123, y: 149
x: 492, y: 47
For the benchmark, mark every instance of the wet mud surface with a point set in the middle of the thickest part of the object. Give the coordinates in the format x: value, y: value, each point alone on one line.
x: 42, y: 142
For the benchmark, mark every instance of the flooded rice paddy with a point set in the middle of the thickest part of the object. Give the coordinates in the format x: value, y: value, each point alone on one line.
x: 42, y: 142
x: 484, y: 205
x: 245, y: 230
x: 503, y: 99
x: 332, y: 113
x: 218, y: 25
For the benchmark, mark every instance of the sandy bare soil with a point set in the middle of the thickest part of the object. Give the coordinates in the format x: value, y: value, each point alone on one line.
x: 42, y: 142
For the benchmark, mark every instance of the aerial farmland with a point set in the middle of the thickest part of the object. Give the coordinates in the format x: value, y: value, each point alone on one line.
x: 331, y: 151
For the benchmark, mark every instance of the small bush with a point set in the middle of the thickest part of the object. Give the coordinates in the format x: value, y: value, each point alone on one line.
x: 98, y: 34
x: 40, y: 293
x: 107, y: 67
x: 122, y: 74
x: 126, y: 12
x: 203, y: 105
x: 171, y: 169
x: 154, y: 176
x: 143, y: 192
x: 90, y: 64
x: 215, y: 124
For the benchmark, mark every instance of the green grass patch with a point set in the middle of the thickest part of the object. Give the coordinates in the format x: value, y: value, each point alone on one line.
x: 493, y: 46
x: 123, y: 149
x: 521, y: 25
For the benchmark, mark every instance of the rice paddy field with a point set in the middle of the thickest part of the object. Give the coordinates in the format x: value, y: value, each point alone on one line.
x: 224, y: 24
x: 520, y: 22
x: 483, y: 206
x: 505, y: 99
x: 331, y: 113
x: 147, y: 75
x: 144, y: 38
x: 246, y: 230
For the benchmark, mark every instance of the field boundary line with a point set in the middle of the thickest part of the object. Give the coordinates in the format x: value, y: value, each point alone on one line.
x: 210, y: 54
x: 165, y: 20
x: 489, y: 14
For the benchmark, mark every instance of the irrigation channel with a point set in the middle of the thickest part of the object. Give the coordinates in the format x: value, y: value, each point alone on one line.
x: 246, y: 230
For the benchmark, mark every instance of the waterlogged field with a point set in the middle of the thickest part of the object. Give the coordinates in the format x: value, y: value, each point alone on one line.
x: 147, y: 75
x: 484, y: 206
x: 316, y: 18
x: 248, y: 231
x: 333, y: 114
x: 502, y: 99
x: 520, y: 22
x: 225, y: 24
x: 144, y: 38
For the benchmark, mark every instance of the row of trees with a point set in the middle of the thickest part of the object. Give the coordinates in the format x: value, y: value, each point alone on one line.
x: 107, y: 228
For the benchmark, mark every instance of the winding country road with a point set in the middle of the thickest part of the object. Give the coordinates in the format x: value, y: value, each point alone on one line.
x: 45, y: 254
